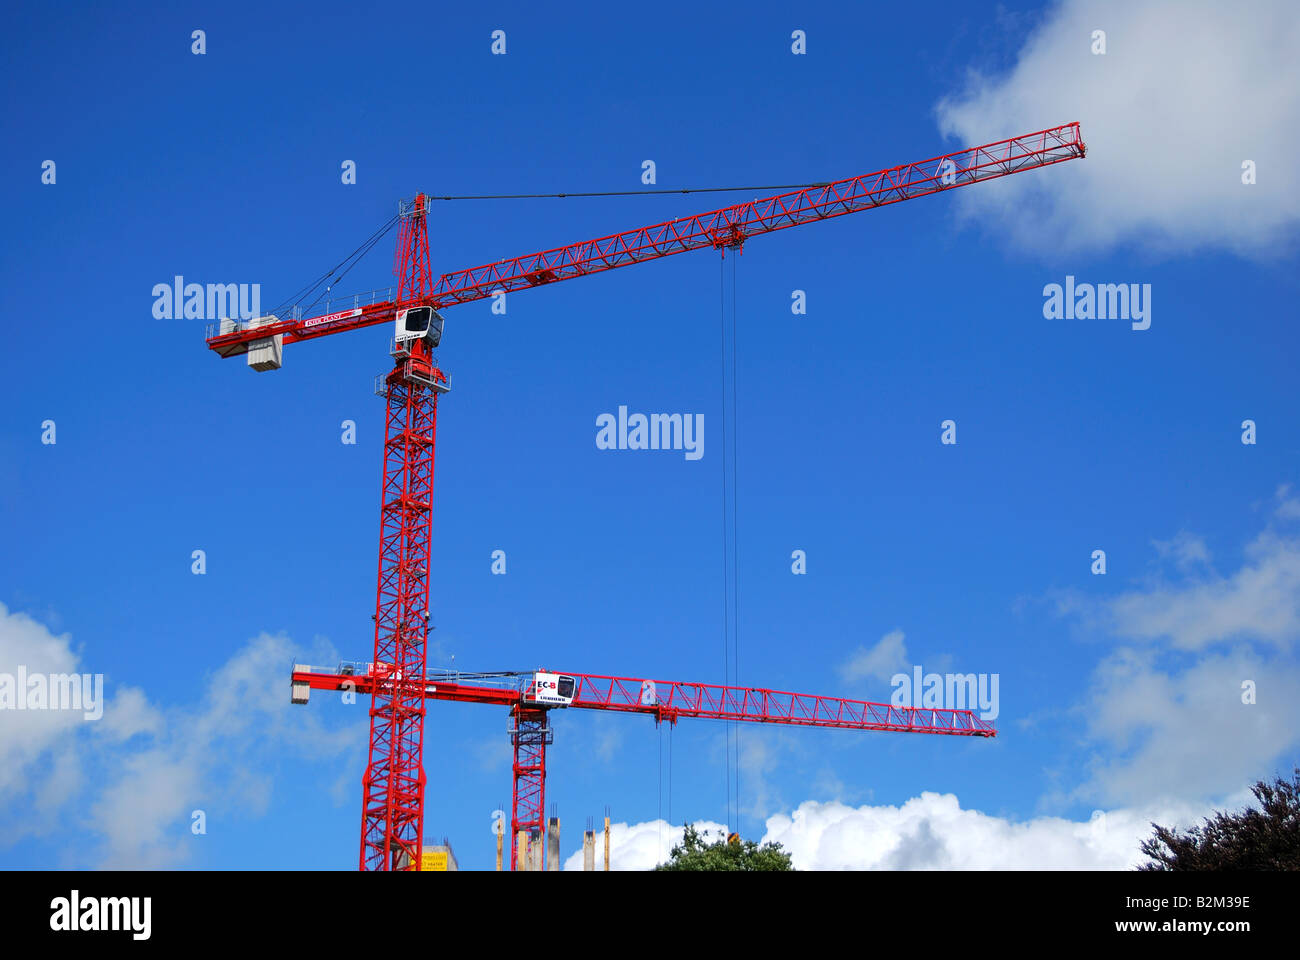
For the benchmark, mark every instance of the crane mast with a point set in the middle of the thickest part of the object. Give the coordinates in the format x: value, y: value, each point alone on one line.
x: 392, y: 818
x: 393, y: 806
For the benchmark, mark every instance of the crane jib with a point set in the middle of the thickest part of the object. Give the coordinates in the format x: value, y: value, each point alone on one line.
x: 716, y: 229
x: 663, y: 700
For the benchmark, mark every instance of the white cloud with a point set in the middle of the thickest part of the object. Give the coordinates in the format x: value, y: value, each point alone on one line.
x: 138, y: 814
x: 27, y: 734
x: 641, y: 846
x: 1259, y: 602
x: 210, y: 758
x: 1203, y: 691
x: 600, y: 736
x: 881, y: 661
x: 1186, y: 732
x: 929, y: 832
x: 933, y: 832
x: 1185, y: 93
x: 1288, y: 507
x: 492, y: 754
x: 133, y: 777
x: 761, y: 749
x: 1185, y: 550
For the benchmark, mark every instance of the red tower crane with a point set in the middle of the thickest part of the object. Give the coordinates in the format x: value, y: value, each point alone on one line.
x: 392, y: 812
x: 531, y: 696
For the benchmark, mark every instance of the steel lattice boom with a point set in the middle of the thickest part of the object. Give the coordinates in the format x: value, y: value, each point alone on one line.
x: 673, y: 701
x: 726, y: 227
x: 670, y: 701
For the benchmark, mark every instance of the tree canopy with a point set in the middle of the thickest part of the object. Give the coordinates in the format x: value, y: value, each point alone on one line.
x: 694, y: 853
x: 1267, y: 838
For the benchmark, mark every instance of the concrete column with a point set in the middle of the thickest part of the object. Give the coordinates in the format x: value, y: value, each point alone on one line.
x: 535, y: 849
x: 607, y: 843
x: 521, y: 850
x: 589, y: 850
x: 553, y: 845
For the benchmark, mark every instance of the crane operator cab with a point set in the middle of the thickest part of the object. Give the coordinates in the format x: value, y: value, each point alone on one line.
x: 550, y: 689
x: 419, y: 323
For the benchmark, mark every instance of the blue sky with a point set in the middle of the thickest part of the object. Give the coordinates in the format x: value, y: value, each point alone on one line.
x: 1073, y: 435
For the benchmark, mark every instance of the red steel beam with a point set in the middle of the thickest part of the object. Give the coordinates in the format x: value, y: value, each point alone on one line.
x: 726, y: 227
x: 673, y: 701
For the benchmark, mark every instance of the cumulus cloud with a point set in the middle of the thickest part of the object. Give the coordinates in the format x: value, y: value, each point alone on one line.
x: 1259, y: 602
x: 209, y: 758
x: 1190, y: 731
x: 929, y: 832
x: 51, y: 738
x: 1185, y: 550
x: 1288, y: 506
x: 641, y: 846
x: 133, y: 777
x: 27, y: 734
x: 933, y: 832
x: 1185, y: 93
x: 1202, y: 691
x: 880, y: 661
x: 761, y: 751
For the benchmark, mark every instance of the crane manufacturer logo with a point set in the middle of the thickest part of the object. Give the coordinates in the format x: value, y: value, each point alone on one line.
x: 53, y: 691
x: 658, y: 431
x: 179, y: 300
x: 947, y: 691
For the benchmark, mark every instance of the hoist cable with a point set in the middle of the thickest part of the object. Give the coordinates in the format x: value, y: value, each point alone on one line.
x: 726, y: 581
x: 659, y: 816
x: 735, y: 533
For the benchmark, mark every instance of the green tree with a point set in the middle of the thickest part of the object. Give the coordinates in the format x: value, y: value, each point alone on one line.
x: 694, y: 854
x: 1263, y: 839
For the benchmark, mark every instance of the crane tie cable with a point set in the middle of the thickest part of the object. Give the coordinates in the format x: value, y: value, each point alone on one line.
x: 341, y: 269
x: 629, y: 193
x: 344, y: 265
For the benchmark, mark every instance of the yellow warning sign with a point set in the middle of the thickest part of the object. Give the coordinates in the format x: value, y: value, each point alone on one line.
x: 433, y: 860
